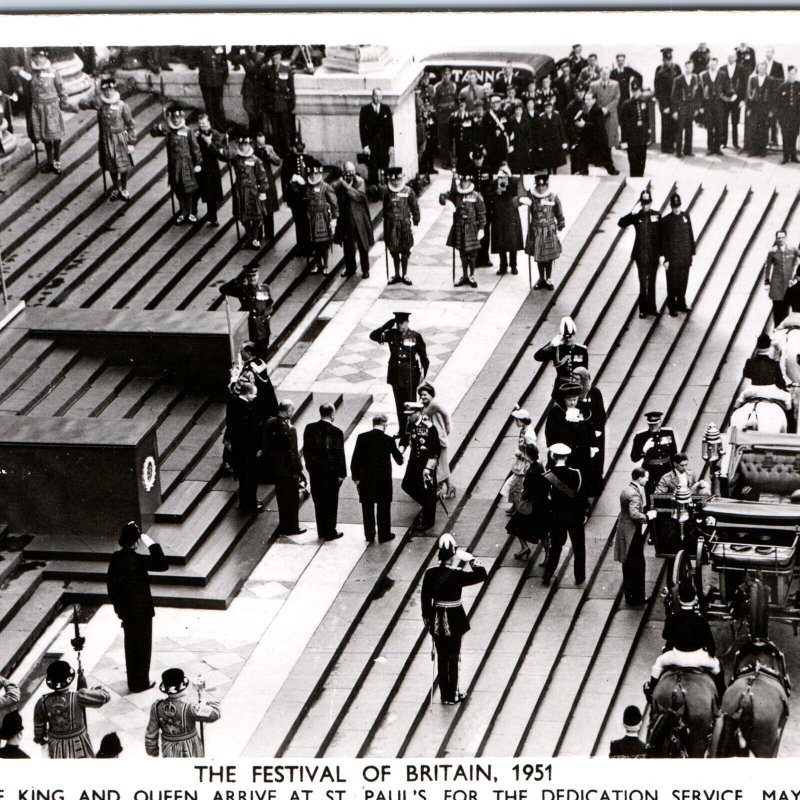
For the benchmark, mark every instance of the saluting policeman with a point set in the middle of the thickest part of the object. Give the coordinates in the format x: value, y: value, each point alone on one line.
x: 645, y: 251
x: 443, y: 613
x: 408, y: 363
x: 256, y: 299
x: 565, y: 353
x: 655, y: 448
x: 419, y: 482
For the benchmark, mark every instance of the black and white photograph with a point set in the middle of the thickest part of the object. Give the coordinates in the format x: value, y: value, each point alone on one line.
x: 429, y: 398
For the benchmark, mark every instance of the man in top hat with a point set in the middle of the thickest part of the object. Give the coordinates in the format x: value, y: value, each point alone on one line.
x: 285, y: 468
x: 128, y: 584
x: 209, y: 178
x: 11, y: 695
x: 624, y: 76
x: 630, y: 536
x: 443, y: 614
x: 277, y: 79
x: 400, y: 212
x: 408, y: 362
x: 256, y: 299
x: 678, y: 248
x: 646, y: 250
x: 371, y: 470
x: 419, y: 481
x: 655, y: 448
x: 294, y: 172
x: 761, y: 369
x: 715, y: 87
x: 462, y: 135
x: 212, y: 67
x: 175, y: 719
x: 780, y: 271
x: 634, y: 120
x: 495, y: 138
x: 608, y: 96
x: 323, y: 209
x: 59, y: 717
x: 354, y: 228
x: 44, y: 97
x: 665, y: 76
x: 502, y: 204
x: 444, y: 102
x: 376, y: 128
x: 630, y: 745
x: 545, y: 219
x: 249, y: 188
x: 685, y: 103
x: 117, y: 136
x: 565, y: 353
x: 568, y: 512
x: 689, y: 642
x: 469, y: 224
x: 184, y: 160
x: 323, y: 451
x: 11, y: 731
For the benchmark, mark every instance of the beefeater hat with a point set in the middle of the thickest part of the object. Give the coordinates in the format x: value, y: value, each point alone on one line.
x: 173, y: 681
x: 59, y: 675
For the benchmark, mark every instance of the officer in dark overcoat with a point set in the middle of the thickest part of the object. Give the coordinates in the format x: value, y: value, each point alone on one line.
x: 128, y: 585
x: 279, y: 97
x: 760, y: 99
x: 408, y: 362
x: 685, y: 104
x: 269, y: 158
x: 655, y: 448
x: 209, y: 179
x: 666, y: 72
x: 371, y: 470
x: 678, y: 249
x: 646, y: 249
x: 788, y: 111
x: 400, y: 212
x: 550, y: 139
x: 424, y: 448
x: 256, y: 299
x: 443, y: 613
x: 244, y: 432
x: 506, y: 229
x: 634, y: 122
x: 354, y: 229
x: 469, y: 223
x: 294, y: 172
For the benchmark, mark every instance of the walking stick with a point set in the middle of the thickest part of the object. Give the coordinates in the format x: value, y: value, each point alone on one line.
x: 433, y: 667
x: 230, y: 330
x: 36, y: 154
x: 530, y: 273
x: 201, y: 684
x: 454, y: 264
x: 386, y: 258
x: 230, y: 176
x: 105, y: 185
x: 77, y: 643
x: 3, y: 281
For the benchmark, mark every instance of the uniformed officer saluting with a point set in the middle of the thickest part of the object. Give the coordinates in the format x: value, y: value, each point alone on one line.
x: 443, y: 613
x: 408, y: 363
x: 419, y: 482
x: 565, y: 353
x: 256, y: 300
x: 645, y: 251
x: 655, y: 448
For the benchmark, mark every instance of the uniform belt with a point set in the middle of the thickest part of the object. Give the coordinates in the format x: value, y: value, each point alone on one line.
x: 66, y: 734
x: 448, y: 604
x: 178, y: 737
x: 657, y: 461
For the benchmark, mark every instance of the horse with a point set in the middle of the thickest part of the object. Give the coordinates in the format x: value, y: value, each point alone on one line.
x: 682, y: 714
x: 755, y: 706
x: 767, y: 416
x: 786, y: 349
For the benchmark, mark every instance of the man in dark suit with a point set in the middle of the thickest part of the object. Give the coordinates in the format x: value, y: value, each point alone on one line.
x: 354, y: 228
x: 761, y: 91
x: 630, y: 745
x: 376, y: 128
x: 129, y: 591
x: 666, y: 73
x: 285, y: 468
x: 624, y: 76
x: 323, y: 451
x: 774, y: 71
x: 746, y: 57
x: 715, y: 87
x: 788, y: 114
x: 371, y: 468
x: 564, y: 86
x: 278, y: 83
x: 685, y: 102
x: 634, y: 123
x: 737, y: 89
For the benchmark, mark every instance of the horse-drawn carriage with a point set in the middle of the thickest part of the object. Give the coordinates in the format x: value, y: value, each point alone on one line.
x: 746, y: 533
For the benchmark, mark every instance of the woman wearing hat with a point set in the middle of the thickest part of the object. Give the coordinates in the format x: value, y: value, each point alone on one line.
x: 469, y: 223
x: 249, y: 189
x: 523, y: 457
x: 59, y: 717
x: 323, y: 210
x: 175, y: 719
x: 502, y: 202
x: 11, y: 731
x: 45, y: 98
x: 184, y: 160
x: 545, y: 219
x: 520, y: 141
x: 441, y: 421
x: 117, y: 136
x: 593, y: 408
x: 400, y: 211
x: 530, y: 522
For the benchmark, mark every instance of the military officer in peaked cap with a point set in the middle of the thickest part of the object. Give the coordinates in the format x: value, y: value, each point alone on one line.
x: 630, y: 745
x: 655, y: 448
x: 678, y: 248
x: 443, y: 612
x: 666, y: 72
x: 645, y: 251
x: 294, y: 171
x: 256, y: 299
x: 408, y: 362
x: 419, y: 481
x: 565, y: 353
x: 788, y: 110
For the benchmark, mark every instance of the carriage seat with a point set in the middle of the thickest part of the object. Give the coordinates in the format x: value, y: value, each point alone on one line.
x: 770, y: 473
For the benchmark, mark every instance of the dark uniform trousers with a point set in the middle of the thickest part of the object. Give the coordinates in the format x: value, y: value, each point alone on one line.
x: 138, y: 650
x: 788, y: 102
x: 448, y: 653
x: 648, y: 272
x: 287, y: 495
x: 562, y: 527
x: 633, y: 569
x: 732, y: 111
x: 325, y: 494
x: 677, y: 281
x: 714, y: 116
x: 637, y: 157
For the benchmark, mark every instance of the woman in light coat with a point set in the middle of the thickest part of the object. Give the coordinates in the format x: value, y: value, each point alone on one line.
x: 441, y: 421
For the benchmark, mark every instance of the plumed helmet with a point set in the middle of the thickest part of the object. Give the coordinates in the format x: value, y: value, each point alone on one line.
x: 567, y: 326
x: 447, y: 546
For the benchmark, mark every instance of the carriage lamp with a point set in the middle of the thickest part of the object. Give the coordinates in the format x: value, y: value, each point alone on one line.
x: 681, y: 503
x: 712, y: 452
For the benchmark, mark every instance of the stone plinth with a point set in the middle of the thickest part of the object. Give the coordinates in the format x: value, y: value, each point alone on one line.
x: 361, y: 59
x: 77, y: 83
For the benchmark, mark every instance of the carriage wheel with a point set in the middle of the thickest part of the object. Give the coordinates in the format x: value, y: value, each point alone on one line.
x: 681, y: 573
x: 758, y: 610
x: 698, y: 572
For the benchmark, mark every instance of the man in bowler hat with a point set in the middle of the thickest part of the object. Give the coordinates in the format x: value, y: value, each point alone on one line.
x: 645, y: 251
x: 371, y: 469
x: 129, y: 591
x: 630, y: 745
x: 678, y: 249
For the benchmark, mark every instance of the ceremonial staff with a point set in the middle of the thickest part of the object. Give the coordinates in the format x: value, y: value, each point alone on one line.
x: 77, y: 643
x: 3, y: 280
x: 433, y: 668
x: 230, y: 176
x: 201, y: 684
x: 385, y: 246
